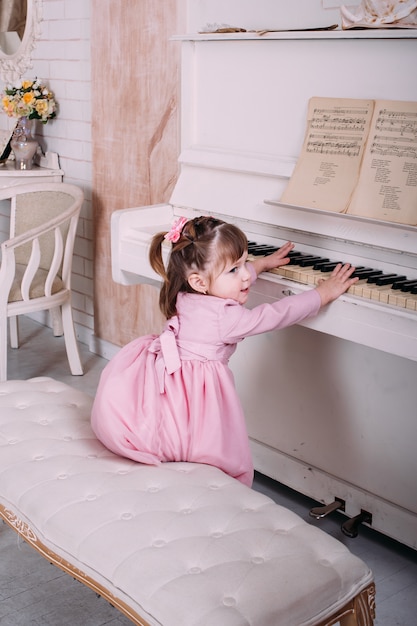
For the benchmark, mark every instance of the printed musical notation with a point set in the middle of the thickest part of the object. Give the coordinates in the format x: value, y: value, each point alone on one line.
x: 328, y: 144
x: 403, y: 148
x: 358, y: 157
x: 397, y: 122
x: 339, y: 119
x: 387, y: 187
x: 332, y: 152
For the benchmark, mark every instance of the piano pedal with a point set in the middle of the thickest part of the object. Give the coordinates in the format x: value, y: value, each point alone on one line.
x: 350, y: 528
x: 322, y: 511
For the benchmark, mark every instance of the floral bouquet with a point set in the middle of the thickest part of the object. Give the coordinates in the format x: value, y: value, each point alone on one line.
x: 30, y: 99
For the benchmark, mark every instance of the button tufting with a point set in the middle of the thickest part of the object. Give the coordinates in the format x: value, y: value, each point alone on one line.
x: 194, y: 570
x: 153, y: 489
x: 44, y: 422
x: 126, y: 516
x: 91, y: 496
x: 159, y: 543
x: 38, y: 457
x: 280, y: 531
x: 67, y: 438
x: 258, y: 560
x: 217, y: 535
x: 12, y: 442
x: 228, y: 601
x: 62, y: 476
x: 186, y: 511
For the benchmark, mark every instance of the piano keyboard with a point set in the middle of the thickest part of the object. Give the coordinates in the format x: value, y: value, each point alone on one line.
x: 373, y: 284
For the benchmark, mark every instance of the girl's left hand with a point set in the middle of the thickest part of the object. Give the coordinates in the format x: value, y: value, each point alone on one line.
x: 276, y: 259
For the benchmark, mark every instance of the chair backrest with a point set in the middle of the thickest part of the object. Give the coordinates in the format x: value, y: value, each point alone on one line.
x: 43, y: 222
x: 33, y: 209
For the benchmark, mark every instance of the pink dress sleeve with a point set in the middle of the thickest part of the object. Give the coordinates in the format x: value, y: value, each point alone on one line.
x: 239, y: 322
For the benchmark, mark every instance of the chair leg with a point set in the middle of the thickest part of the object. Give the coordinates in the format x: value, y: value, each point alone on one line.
x: 3, y: 349
x: 14, y: 331
x: 71, y: 340
x: 56, y: 319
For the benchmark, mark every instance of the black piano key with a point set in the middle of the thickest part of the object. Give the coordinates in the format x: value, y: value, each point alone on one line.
x: 295, y: 259
x: 375, y: 277
x: 387, y: 279
x: 262, y: 250
x: 409, y: 286
x: 318, y: 264
x: 310, y: 261
x: 254, y: 244
x: 364, y: 272
x: 269, y: 249
x: 399, y: 283
x: 301, y: 259
x: 328, y: 267
x: 293, y: 256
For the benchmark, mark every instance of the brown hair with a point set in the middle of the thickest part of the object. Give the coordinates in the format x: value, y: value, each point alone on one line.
x: 204, y: 245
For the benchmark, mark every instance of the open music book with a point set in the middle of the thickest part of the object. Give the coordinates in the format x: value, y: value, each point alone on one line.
x: 358, y: 157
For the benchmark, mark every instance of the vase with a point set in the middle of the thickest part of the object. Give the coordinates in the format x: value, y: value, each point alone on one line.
x: 24, y: 146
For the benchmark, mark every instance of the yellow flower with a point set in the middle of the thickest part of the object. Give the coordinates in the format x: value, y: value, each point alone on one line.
x: 26, y: 84
x: 41, y: 107
x: 28, y: 97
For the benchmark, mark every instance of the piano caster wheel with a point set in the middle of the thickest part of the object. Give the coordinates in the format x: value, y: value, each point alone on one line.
x: 350, y: 528
x: 322, y: 511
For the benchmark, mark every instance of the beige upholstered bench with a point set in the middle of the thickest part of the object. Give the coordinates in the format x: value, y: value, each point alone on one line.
x: 176, y: 545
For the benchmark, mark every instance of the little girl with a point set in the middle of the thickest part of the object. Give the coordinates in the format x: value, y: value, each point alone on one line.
x: 172, y: 397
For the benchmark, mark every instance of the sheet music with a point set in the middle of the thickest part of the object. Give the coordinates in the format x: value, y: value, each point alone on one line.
x: 387, y: 186
x: 328, y: 169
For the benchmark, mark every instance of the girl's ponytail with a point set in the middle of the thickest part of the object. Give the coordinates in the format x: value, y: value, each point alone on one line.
x: 155, y: 255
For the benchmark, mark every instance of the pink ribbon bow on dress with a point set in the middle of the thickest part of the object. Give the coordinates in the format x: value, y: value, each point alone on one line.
x: 165, y: 347
x: 175, y: 232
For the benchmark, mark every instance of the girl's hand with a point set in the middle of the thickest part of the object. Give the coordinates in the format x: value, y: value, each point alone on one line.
x: 338, y: 282
x: 276, y: 259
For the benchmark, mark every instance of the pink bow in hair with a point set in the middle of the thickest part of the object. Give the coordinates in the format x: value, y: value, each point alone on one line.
x: 175, y: 232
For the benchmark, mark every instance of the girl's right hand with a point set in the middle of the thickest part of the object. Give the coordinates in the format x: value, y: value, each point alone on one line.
x: 338, y: 283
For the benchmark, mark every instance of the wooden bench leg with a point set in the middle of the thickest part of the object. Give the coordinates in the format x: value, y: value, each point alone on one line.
x: 361, y: 610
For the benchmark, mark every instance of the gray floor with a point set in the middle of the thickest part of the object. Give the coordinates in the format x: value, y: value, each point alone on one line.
x: 35, y: 593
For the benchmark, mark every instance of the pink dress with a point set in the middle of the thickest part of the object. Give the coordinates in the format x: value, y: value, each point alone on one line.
x: 172, y: 397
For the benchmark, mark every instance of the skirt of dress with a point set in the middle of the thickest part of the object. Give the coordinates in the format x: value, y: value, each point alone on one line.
x: 198, y: 417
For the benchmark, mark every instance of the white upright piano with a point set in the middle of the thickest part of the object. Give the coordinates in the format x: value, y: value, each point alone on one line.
x: 331, y: 404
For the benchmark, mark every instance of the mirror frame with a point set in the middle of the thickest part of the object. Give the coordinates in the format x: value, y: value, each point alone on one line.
x: 13, y: 66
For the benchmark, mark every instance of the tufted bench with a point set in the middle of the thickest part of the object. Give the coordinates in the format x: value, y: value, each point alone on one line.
x: 181, y: 544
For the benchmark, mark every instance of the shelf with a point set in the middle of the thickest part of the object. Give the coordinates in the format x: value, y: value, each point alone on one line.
x: 370, y: 33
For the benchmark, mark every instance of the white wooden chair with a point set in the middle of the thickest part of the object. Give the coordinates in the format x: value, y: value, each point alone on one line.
x: 36, y: 262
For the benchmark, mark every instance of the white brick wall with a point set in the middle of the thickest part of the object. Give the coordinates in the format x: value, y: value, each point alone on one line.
x: 61, y: 58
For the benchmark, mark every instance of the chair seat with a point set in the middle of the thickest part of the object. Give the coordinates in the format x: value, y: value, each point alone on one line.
x: 37, y: 287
